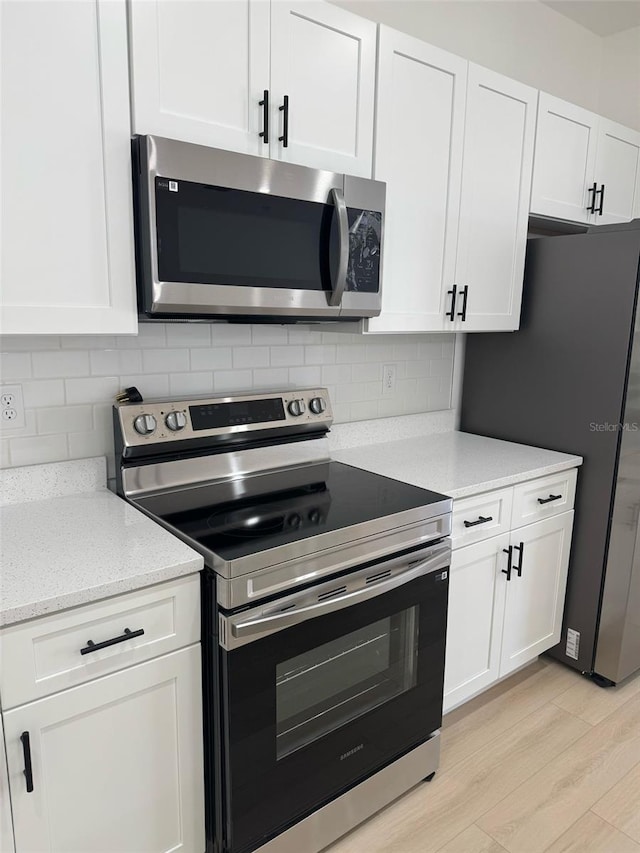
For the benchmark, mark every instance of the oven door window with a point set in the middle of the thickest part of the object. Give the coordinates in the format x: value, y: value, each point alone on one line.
x: 325, y: 688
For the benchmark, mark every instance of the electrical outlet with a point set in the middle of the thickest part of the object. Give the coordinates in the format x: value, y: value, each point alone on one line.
x: 388, y: 380
x: 11, y: 407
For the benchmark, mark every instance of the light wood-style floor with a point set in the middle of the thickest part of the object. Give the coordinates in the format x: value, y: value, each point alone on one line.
x: 546, y: 762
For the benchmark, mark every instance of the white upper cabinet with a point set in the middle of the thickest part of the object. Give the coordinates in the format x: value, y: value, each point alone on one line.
x: 454, y: 142
x: 67, y: 261
x: 565, y: 158
x: 418, y: 152
x: 199, y: 70
x: 494, y: 211
x: 290, y: 79
x: 322, y: 86
x: 618, y: 172
x: 586, y: 167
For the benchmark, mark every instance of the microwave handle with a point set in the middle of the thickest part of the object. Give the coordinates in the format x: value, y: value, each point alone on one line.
x: 337, y: 197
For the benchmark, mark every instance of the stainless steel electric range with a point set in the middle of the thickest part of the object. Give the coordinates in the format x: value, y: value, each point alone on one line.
x: 324, y: 612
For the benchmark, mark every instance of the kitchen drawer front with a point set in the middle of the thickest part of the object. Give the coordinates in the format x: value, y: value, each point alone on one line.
x: 481, y: 517
x: 44, y: 655
x: 544, y: 497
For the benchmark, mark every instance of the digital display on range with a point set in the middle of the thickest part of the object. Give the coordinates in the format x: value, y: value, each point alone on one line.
x: 216, y: 415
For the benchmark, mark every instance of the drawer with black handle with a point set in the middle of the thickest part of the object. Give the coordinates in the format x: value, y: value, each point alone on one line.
x: 73, y: 646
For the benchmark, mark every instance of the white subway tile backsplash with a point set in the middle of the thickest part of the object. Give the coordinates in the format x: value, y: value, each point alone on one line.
x: 232, y: 380
x: 320, y: 354
x: 271, y: 377
x: 251, y: 356
x: 41, y: 448
x: 149, y: 386
x: 43, y: 392
x: 269, y: 335
x: 212, y: 358
x: 196, y: 384
x: 288, y: 356
x: 336, y: 374
x: 230, y: 335
x: 305, y: 377
x: 69, y: 383
x: 63, y: 419
x: 188, y: 335
x: 15, y: 365
x: 367, y: 372
x: 114, y: 362
x: 98, y: 389
x: 60, y: 363
x: 165, y: 360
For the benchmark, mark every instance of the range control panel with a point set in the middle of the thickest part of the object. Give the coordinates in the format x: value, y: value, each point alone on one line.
x: 166, y: 420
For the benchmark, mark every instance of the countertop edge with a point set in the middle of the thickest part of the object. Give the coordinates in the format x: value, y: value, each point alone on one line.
x: 90, y: 595
x: 514, y: 479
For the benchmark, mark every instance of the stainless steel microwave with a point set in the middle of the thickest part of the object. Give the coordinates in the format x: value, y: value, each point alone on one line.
x: 228, y: 236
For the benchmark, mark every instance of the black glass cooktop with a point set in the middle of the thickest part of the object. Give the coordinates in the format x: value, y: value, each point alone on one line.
x: 242, y: 517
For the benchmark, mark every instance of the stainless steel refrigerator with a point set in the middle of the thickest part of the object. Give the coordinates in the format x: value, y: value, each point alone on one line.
x: 569, y: 380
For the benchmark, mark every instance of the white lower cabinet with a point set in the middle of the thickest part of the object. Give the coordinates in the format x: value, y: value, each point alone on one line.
x: 6, y: 823
x: 476, y: 599
x: 506, y: 592
x: 116, y: 763
x: 535, y: 595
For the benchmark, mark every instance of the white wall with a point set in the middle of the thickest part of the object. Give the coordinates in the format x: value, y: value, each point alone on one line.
x: 525, y: 40
x: 620, y: 84
x: 69, y: 383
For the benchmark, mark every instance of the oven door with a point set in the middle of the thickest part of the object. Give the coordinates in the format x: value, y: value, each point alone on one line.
x: 230, y: 235
x: 325, y: 687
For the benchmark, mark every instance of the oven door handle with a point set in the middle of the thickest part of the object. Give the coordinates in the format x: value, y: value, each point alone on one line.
x: 335, y: 296
x: 264, y: 625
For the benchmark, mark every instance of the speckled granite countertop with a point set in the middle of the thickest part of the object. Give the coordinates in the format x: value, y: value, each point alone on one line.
x: 457, y: 463
x: 80, y: 545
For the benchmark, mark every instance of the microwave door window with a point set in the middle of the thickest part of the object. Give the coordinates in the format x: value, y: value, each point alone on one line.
x: 220, y: 236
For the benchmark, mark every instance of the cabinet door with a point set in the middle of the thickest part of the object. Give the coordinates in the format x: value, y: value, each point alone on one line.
x: 418, y: 152
x: 494, y: 211
x: 6, y: 822
x: 117, y: 763
x: 65, y: 169
x: 617, y: 171
x: 474, y: 623
x: 535, y: 598
x: 199, y: 71
x: 323, y: 61
x: 564, y: 161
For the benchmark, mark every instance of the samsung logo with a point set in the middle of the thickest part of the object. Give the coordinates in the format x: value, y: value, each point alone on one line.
x: 351, y: 751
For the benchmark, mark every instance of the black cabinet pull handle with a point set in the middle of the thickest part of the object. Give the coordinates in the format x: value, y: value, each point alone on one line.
x: 601, y: 205
x: 28, y: 769
x: 95, y: 647
x: 509, y: 552
x: 520, y: 549
x: 481, y: 520
x: 451, y: 314
x: 591, y: 208
x: 549, y: 499
x: 264, y: 103
x: 465, y: 293
x: 285, y: 122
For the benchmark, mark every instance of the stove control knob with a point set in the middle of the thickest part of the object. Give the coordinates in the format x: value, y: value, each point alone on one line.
x: 176, y: 421
x: 296, y: 408
x: 145, y: 424
x: 317, y: 405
